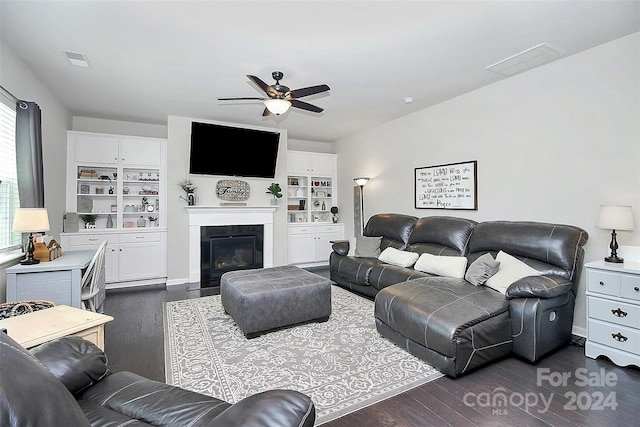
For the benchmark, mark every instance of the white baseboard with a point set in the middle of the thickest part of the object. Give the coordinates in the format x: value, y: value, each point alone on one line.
x: 176, y: 282
x: 581, y: 332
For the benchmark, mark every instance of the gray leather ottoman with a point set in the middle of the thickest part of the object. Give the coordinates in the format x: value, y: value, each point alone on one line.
x: 267, y: 298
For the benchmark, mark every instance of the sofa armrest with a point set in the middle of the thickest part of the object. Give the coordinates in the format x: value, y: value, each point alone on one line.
x: 545, y: 286
x: 341, y: 247
x: 270, y: 408
x: 77, y: 363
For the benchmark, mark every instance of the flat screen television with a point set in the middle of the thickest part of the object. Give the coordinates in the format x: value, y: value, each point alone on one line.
x: 233, y: 151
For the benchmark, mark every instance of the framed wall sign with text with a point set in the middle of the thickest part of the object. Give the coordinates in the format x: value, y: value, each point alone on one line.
x: 450, y: 186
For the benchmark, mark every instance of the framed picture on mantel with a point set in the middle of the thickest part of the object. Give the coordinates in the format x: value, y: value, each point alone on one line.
x: 449, y: 186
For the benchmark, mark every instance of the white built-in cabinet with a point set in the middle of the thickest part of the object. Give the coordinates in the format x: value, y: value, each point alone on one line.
x: 311, y: 192
x: 121, y: 180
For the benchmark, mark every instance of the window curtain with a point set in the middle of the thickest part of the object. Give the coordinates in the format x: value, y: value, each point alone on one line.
x: 29, y: 155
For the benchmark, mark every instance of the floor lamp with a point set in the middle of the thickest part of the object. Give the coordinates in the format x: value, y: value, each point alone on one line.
x: 360, y: 182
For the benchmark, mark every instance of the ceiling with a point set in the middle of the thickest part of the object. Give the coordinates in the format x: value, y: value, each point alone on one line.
x: 151, y: 59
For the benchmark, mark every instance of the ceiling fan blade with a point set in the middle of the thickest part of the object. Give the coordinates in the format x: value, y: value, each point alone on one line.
x: 262, y: 85
x: 235, y: 99
x: 306, y: 91
x: 266, y: 112
x: 305, y: 106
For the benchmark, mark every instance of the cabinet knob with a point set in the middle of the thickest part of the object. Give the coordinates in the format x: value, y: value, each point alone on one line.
x: 619, y: 337
x: 619, y: 313
x: 601, y: 283
x: 636, y: 289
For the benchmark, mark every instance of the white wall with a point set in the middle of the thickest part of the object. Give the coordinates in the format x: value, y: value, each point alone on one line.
x: 19, y: 79
x: 179, y: 137
x: 90, y: 124
x: 312, y: 146
x: 552, y: 144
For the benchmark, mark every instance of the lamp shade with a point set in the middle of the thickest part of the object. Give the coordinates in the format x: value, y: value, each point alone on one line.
x: 29, y: 220
x: 361, y: 181
x: 615, y: 217
x: 277, y: 106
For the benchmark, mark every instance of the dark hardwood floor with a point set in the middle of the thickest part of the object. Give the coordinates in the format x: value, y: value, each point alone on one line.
x: 509, y: 392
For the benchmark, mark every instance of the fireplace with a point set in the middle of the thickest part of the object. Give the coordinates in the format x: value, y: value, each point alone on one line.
x: 227, y: 248
x: 206, y: 216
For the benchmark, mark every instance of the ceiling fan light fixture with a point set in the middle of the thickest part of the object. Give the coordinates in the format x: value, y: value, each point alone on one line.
x: 277, y: 106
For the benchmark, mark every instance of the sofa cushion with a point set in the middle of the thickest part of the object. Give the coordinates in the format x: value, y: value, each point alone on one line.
x: 394, y: 229
x: 441, y: 235
x: 398, y: 257
x: 550, y: 248
x: 352, y: 247
x: 29, y: 394
x: 538, y: 287
x: 511, y: 269
x: 481, y: 270
x: 435, y: 311
x: 351, y: 269
x: 368, y: 247
x: 448, y: 266
x: 76, y: 362
x: 382, y: 275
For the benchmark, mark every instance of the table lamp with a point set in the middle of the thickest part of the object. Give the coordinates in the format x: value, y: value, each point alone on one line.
x: 615, y: 218
x: 30, y: 220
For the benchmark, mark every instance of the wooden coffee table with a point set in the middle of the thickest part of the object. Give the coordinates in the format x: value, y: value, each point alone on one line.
x: 41, y: 326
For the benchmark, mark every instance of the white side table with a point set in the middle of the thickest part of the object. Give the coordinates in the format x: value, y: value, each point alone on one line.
x: 613, y: 312
x: 41, y: 326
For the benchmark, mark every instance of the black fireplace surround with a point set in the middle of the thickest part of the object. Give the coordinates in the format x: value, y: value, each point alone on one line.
x: 229, y: 247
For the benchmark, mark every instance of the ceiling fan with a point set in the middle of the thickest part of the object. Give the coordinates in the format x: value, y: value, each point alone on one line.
x: 280, y: 97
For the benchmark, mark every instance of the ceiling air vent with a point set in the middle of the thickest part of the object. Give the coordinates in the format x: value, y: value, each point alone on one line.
x: 77, y: 59
x: 530, y: 58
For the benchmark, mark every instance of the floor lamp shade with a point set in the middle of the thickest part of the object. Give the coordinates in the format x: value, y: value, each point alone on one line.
x: 30, y: 220
x: 615, y: 218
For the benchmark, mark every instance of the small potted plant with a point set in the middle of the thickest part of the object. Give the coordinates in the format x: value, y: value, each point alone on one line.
x: 276, y: 191
x: 89, y: 220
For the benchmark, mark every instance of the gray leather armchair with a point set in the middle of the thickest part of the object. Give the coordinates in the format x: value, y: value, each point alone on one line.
x: 67, y: 383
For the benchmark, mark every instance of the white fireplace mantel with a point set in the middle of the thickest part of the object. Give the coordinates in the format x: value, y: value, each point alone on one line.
x: 204, y: 216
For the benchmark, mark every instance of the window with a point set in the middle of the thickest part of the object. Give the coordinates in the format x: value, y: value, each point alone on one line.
x: 9, y: 200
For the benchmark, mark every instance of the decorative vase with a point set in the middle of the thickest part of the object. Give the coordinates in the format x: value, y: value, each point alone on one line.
x: 109, y: 222
x: 191, y: 199
x: 274, y: 202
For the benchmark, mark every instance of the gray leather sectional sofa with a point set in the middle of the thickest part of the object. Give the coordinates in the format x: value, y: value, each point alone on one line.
x: 450, y: 323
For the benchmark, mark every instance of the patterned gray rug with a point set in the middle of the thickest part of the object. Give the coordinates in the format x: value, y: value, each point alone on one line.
x: 343, y: 364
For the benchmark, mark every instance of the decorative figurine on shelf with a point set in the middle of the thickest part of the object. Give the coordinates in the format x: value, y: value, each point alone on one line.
x: 190, y: 189
x: 89, y: 221
x: 334, y: 214
x: 275, y: 190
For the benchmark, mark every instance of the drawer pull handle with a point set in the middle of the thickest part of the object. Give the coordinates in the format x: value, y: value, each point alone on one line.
x: 601, y: 283
x: 619, y: 337
x: 619, y: 313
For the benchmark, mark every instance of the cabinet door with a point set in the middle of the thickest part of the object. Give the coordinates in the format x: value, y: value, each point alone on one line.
x: 323, y: 164
x: 96, y: 149
x: 139, y: 151
x: 323, y: 242
x: 302, y: 248
x: 139, y: 260
x: 298, y: 163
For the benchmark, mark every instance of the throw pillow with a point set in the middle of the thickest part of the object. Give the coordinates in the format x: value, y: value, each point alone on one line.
x: 397, y: 257
x: 449, y: 266
x: 368, y: 247
x: 352, y: 246
x: 511, y: 269
x: 481, y: 270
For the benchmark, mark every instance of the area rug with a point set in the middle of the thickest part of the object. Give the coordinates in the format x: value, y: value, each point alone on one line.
x: 342, y: 364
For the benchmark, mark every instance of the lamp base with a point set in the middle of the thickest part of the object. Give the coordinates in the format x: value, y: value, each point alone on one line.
x: 614, y: 259
x: 30, y: 261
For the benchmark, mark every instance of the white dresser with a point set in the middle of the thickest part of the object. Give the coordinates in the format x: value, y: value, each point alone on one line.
x: 613, y: 312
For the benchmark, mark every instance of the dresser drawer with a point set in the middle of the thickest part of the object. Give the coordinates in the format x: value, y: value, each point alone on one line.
x: 139, y: 237
x: 630, y: 287
x: 615, y: 312
x: 603, y: 282
x: 615, y: 336
x: 92, y: 239
x: 302, y: 230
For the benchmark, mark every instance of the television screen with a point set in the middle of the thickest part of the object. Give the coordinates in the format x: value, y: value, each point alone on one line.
x: 233, y: 151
